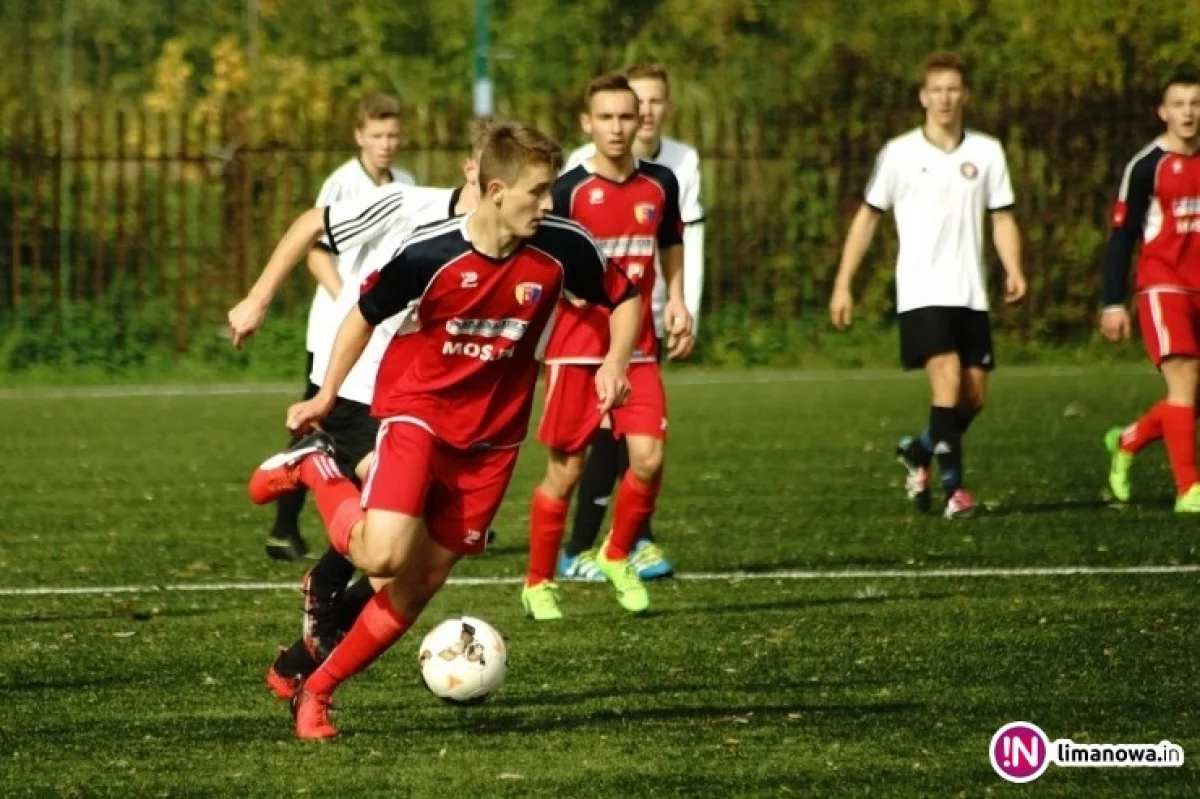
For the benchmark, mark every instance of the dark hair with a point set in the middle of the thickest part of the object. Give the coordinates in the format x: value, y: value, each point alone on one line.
x: 1181, y: 78
x: 608, y: 82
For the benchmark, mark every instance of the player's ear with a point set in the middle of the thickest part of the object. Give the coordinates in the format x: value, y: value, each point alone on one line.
x: 585, y: 122
x: 360, y: 137
x: 1162, y: 113
x: 495, y: 192
x: 470, y: 170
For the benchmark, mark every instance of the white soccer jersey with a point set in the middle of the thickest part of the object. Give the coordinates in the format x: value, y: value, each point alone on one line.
x: 346, y: 182
x: 684, y: 161
x: 384, y: 229
x: 939, y: 199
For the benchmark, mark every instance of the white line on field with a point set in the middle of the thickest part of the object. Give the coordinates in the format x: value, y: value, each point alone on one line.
x: 731, y: 576
x: 700, y: 379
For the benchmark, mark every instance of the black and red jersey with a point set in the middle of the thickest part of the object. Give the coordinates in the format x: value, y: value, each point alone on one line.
x: 465, y: 366
x: 1159, y: 204
x: 631, y: 221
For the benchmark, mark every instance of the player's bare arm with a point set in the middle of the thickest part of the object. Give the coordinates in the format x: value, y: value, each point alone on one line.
x: 612, y: 383
x: 351, y: 340
x: 678, y: 318
x: 858, y: 240
x: 247, y: 315
x: 323, y: 267
x: 1006, y: 236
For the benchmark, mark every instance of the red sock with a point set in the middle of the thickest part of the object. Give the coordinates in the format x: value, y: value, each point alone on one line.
x: 1179, y: 431
x: 377, y: 627
x: 338, y: 500
x: 547, y: 523
x: 634, y: 505
x: 1144, y: 431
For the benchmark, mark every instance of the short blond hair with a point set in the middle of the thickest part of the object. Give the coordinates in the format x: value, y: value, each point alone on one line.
x: 650, y: 71
x: 945, y: 61
x: 511, y: 147
x: 377, y: 106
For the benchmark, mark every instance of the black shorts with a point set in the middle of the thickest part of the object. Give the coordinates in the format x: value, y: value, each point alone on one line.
x: 926, y: 332
x: 310, y: 388
x: 353, y: 431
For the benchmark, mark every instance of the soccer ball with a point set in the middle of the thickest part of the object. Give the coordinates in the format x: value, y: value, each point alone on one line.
x: 463, y: 660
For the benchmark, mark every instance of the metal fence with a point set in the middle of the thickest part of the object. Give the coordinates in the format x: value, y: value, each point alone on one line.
x: 179, y: 211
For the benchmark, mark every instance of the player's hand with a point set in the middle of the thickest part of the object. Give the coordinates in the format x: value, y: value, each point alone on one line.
x: 612, y: 386
x: 246, y: 317
x: 303, y: 415
x: 681, y: 339
x: 1114, y: 323
x: 1014, y: 287
x: 840, y: 306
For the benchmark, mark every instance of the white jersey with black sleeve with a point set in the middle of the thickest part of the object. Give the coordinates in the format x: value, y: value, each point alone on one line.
x: 348, y: 181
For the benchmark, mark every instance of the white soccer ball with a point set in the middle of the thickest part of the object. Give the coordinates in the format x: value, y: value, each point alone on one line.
x: 463, y: 660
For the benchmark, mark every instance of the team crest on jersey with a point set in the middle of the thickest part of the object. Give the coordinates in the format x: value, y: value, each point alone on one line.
x: 1177, y: 167
x: 635, y: 270
x: 969, y: 170
x: 643, y: 213
x: 596, y: 196
x: 528, y: 293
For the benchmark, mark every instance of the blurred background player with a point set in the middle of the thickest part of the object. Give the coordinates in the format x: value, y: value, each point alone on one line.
x: 1159, y: 203
x: 608, y: 458
x: 379, y: 219
x: 631, y: 207
x: 439, y: 476
x: 377, y: 134
x: 940, y: 179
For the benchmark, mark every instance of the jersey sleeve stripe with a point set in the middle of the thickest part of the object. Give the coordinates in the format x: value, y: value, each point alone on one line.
x: 1123, y: 192
x: 371, y: 216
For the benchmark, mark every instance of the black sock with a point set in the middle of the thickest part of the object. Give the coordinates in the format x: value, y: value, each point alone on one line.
x: 331, y: 573
x: 965, y: 416
x: 595, y: 491
x: 287, y: 514
x: 946, y: 434
x: 352, y: 602
x: 295, y: 660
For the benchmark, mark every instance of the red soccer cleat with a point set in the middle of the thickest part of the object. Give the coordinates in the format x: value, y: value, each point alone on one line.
x: 280, y: 473
x: 282, y: 686
x: 311, y: 713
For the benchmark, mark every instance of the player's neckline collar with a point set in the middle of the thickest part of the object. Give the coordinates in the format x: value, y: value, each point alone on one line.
x: 962, y: 137
x: 391, y: 176
x: 587, y: 167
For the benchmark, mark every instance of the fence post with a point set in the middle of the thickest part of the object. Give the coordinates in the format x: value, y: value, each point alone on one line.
x: 183, y: 238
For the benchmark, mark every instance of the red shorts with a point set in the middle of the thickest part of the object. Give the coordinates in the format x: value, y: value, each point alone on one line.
x: 571, y: 416
x: 1170, y: 323
x: 456, y: 492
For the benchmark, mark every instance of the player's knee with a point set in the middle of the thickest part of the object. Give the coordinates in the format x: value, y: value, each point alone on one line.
x: 563, y: 474
x: 646, y: 462
x: 377, y: 553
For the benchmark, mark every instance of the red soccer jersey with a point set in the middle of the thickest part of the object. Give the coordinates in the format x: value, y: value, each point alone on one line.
x: 631, y: 221
x: 1159, y: 203
x: 468, y: 369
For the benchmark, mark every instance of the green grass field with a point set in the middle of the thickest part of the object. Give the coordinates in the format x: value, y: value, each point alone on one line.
x: 889, y: 683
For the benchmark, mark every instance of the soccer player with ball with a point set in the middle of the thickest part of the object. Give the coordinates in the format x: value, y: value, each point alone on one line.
x: 454, y: 393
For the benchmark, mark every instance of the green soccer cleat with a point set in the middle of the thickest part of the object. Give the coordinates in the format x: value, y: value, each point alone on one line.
x: 541, y: 601
x: 631, y: 593
x: 1119, y: 465
x: 1190, y: 501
